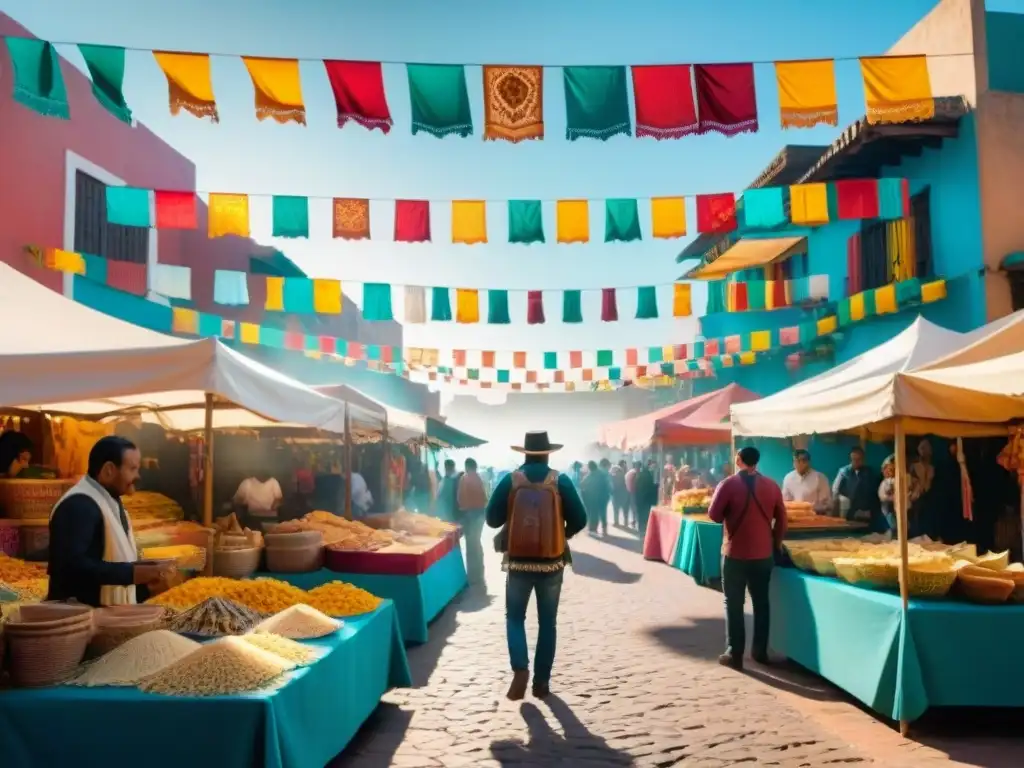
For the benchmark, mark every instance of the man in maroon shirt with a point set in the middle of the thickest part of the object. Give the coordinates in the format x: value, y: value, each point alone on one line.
x: 747, y: 504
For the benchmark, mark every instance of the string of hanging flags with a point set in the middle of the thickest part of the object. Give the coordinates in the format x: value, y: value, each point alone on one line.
x: 668, y: 101
x: 764, y: 208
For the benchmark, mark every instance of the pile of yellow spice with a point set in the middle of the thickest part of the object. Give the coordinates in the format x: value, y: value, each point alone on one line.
x: 269, y: 596
x: 13, y: 569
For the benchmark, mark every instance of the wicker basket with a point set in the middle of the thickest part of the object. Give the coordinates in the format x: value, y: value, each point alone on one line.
x: 41, y: 618
x: 236, y: 563
x: 293, y: 540
x: 930, y: 582
x: 989, y: 590
x: 115, y: 626
x: 877, y: 574
x: 31, y: 499
x: 295, y: 560
x: 38, y: 660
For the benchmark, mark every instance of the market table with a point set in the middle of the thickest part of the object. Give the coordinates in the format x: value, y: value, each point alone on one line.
x: 419, y: 598
x: 698, y: 551
x: 663, y: 529
x: 945, y: 653
x: 304, y: 723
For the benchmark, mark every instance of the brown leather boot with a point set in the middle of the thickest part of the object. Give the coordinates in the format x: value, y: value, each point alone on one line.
x: 517, y: 689
x: 541, y: 690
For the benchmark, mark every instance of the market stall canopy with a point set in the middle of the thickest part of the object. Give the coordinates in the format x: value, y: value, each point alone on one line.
x: 402, y: 425
x: 708, y: 424
x: 642, y: 431
x: 989, y: 391
x: 750, y: 254
x: 80, y: 361
x: 440, y: 433
x: 997, y: 339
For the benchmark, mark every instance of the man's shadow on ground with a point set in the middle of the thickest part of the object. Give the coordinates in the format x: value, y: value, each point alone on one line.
x: 578, y: 745
x: 593, y: 567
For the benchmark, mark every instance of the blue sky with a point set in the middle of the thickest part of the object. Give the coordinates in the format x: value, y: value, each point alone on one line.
x: 243, y: 155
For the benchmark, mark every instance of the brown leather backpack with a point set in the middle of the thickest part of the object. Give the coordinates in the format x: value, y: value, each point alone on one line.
x: 536, y: 528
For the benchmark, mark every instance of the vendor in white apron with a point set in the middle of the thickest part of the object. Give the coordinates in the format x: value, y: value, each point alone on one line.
x: 93, y: 558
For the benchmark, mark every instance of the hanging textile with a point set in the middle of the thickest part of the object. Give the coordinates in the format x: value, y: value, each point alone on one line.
x: 106, y: 68
x: 278, y: 89
x: 291, y: 216
x: 609, y: 305
x: 299, y: 295
x: 440, y: 101
x: 275, y: 295
x: 575, y: 360
x: 572, y: 219
x: 377, y: 302
x: 230, y: 288
x: 807, y: 93
x: 854, y: 280
x: 128, y: 206
x: 621, y: 221
x: 902, y: 248
x: 726, y: 98
x: 249, y: 333
x: 857, y: 199
x: 185, y: 321
x: 228, y: 215
x: 893, y: 198
x: 681, y: 300
x: 175, y: 210
x: 663, y: 97
x: 440, y: 305
x: 497, y: 307
x: 351, y: 218
x: 885, y: 299
x: 513, y: 103
x: 38, y: 81
x: 327, y: 297
x: 189, y: 84
x: 647, y: 303
x: 172, y: 281
x: 933, y: 291
x: 358, y: 88
x: 764, y: 208
x: 572, y: 306
x: 127, y: 276
x: 736, y: 296
x: 469, y: 221
x: 65, y: 261
x: 534, y: 307
x: 519, y: 360
x: 412, y: 221
x: 467, y: 306
x: 550, y: 361
x: 716, y: 214
x: 415, y: 304
x: 525, y: 221
x: 808, y: 204
x: 668, y: 217
x: 596, y: 102
x: 604, y: 358
x: 897, y: 89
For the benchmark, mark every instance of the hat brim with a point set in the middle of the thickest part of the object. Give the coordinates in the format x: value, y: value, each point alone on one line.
x: 553, y: 447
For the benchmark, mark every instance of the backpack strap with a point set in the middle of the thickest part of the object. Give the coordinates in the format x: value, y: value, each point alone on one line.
x: 551, y: 479
x: 519, y: 479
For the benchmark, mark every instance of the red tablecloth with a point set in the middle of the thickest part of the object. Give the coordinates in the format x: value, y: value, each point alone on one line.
x: 388, y: 563
x: 662, y: 534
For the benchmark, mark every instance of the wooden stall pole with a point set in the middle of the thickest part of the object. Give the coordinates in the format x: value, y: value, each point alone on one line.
x: 348, y: 465
x: 208, y: 463
x: 386, y: 469
x: 902, y: 528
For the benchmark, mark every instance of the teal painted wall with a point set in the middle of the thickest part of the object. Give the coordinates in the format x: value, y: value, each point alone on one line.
x: 1004, y: 34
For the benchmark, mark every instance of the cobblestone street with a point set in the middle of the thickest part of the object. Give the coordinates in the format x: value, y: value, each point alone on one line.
x: 636, y: 683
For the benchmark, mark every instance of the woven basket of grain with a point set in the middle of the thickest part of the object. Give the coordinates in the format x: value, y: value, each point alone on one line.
x: 930, y: 582
x: 821, y: 562
x: 41, y: 618
x: 293, y: 539
x: 295, y: 559
x: 116, y: 625
x: 877, y: 574
x: 31, y: 499
x: 990, y: 589
x: 45, y: 658
x: 236, y: 563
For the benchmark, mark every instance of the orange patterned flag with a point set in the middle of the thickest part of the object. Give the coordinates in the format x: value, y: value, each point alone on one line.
x: 807, y: 93
x: 513, y: 103
x: 897, y: 89
x: 351, y: 218
x: 278, y: 89
x: 189, y: 84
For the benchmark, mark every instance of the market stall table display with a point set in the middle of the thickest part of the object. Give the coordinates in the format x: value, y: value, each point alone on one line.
x: 421, y: 585
x: 303, y: 723
x: 941, y: 653
x: 662, y: 534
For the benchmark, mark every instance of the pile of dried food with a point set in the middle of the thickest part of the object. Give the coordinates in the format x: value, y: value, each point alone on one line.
x: 339, y: 533
x: 215, y: 617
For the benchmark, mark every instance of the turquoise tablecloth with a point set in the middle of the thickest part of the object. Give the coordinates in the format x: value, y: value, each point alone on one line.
x: 949, y: 653
x: 303, y: 724
x: 699, y: 548
x: 418, y: 599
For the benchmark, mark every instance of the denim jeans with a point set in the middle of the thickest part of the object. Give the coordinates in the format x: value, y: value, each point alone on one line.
x: 473, y: 531
x: 737, y: 577
x: 518, y: 589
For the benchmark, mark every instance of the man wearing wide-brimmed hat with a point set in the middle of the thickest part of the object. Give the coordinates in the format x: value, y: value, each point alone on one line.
x: 538, y: 511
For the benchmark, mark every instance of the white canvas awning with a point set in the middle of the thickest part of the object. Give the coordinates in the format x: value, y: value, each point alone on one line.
x: 402, y: 425
x: 76, y: 360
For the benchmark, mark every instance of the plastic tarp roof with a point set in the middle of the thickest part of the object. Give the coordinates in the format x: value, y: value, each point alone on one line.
x: 641, y: 431
x: 79, y: 361
x: 877, y: 386
x: 402, y: 425
x: 444, y: 434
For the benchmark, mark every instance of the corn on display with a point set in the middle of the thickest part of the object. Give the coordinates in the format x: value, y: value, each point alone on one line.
x: 268, y: 596
x: 691, y: 498
x: 147, y: 505
x: 226, y: 666
x: 31, y: 590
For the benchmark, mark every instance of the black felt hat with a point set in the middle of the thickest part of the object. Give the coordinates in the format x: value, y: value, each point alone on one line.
x: 536, y: 444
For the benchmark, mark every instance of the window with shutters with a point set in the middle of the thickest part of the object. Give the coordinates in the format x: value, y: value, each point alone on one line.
x: 895, y: 250
x: 95, y: 235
